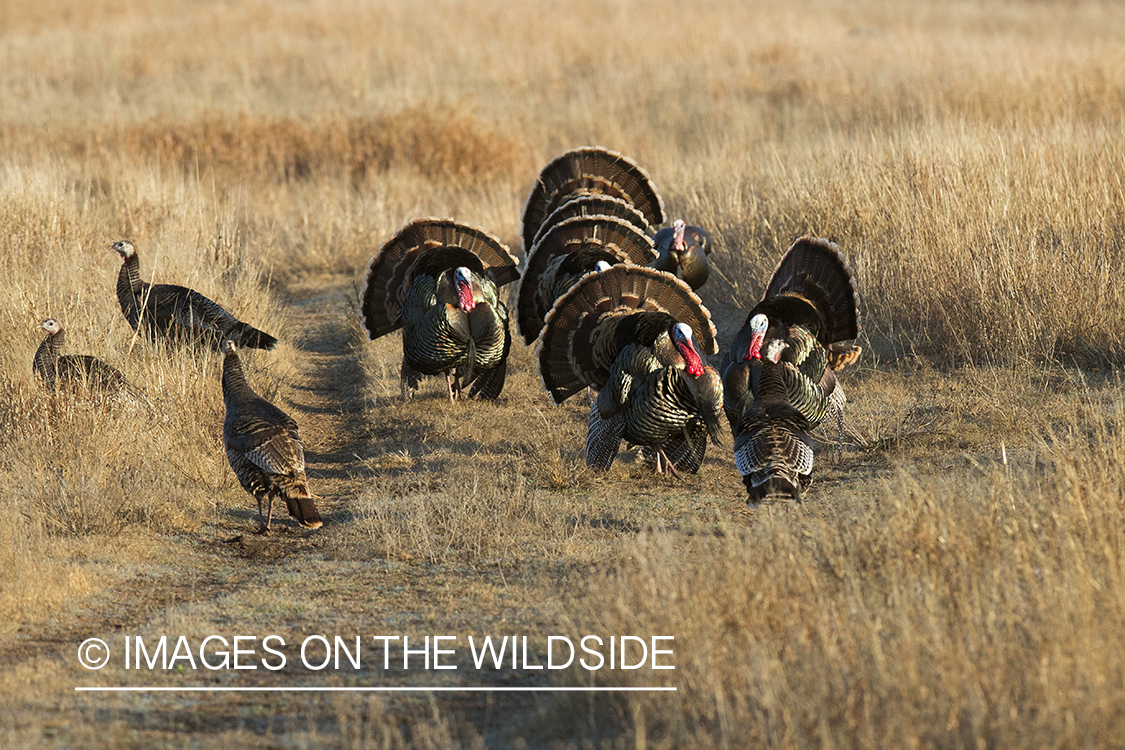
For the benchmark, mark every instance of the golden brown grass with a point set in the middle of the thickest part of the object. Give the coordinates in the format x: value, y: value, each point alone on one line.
x: 928, y: 611
x: 965, y: 156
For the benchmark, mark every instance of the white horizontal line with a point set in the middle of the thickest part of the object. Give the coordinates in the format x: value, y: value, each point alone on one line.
x: 373, y: 689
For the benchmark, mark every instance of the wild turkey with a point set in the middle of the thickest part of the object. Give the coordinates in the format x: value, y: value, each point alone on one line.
x: 811, y: 305
x: 568, y: 250
x: 176, y: 312
x: 772, y: 449
x: 590, y: 170
x: 438, y: 280
x: 78, y: 370
x: 592, y: 204
x: 264, y: 448
x: 682, y: 250
x: 636, y: 334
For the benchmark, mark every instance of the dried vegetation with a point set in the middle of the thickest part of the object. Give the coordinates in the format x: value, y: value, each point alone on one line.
x: 955, y: 579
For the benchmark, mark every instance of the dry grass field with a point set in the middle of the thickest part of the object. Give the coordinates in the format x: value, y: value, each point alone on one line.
x: 956, y: 577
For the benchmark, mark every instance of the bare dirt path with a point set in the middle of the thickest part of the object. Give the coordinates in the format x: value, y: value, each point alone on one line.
x: 227, y: 580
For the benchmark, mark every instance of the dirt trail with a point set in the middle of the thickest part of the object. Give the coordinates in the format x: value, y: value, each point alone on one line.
x: 327, y: 401
x: 328, y: 397
x: 227, y: 579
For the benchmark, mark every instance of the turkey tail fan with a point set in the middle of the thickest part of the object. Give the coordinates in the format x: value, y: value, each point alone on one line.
x: 814, y: 272
x: 616, y: 236
x: 589, y: 170
x: 300, y: 505
x: 390, y: 270
x: 251, y: 338
x: 842, y: 355
x: 594, y: 205
x: 580, y: 338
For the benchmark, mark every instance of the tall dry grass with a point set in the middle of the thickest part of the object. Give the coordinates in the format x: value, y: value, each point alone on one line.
x: 982, y: 608
x: 75, y: 466
x: 965, y: 156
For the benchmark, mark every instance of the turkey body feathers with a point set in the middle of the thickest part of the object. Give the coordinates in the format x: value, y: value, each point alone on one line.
x: 438, y: 336
x: 263, y: 446
x: 629, y: 332
x: 78, y: 370
x: 174, y: 311
x: 417, y: 249
x: 772, y: 449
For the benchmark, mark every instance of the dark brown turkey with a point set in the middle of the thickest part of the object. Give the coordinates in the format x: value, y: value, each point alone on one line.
x: 264, y: 448
x: 772, y: 448
x: 589, y: 170
x: 682, y: 250
x: 438, y: 280
x: 592, y: 204
x: 566, y: 252
x: 636, y: 334
x: 811, y: 307
x: 176, y: 312
x: 78, y: 370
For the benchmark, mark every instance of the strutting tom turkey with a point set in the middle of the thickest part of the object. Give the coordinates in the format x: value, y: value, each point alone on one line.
x: 439, y: 281
x: 594, y: 171
x: 811, y: 308
x: 176, y: 312
x: 566, y: 252
x: 264, y: 448
x: 637, y: 335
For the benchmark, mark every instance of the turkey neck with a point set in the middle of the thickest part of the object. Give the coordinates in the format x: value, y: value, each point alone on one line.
x: 234, y: 379
x: 48, y: 352
x: 129, y: 277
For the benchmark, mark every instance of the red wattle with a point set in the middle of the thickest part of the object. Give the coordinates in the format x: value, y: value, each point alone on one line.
x: 465, y: 297
x: 754, y: 351
x: 694, y: 363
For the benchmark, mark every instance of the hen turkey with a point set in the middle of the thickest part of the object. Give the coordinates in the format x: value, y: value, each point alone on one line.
x: 78, y: 370
x: 177, y: 312
x: 811, y: 307
x: 264, y: 448
x: 439, y: 281
x: 636, y: 334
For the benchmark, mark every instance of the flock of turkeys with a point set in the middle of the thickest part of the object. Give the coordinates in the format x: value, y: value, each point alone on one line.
x: 609, y: 302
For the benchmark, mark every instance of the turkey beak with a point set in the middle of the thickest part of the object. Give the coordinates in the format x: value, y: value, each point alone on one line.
x: 693, y: 360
